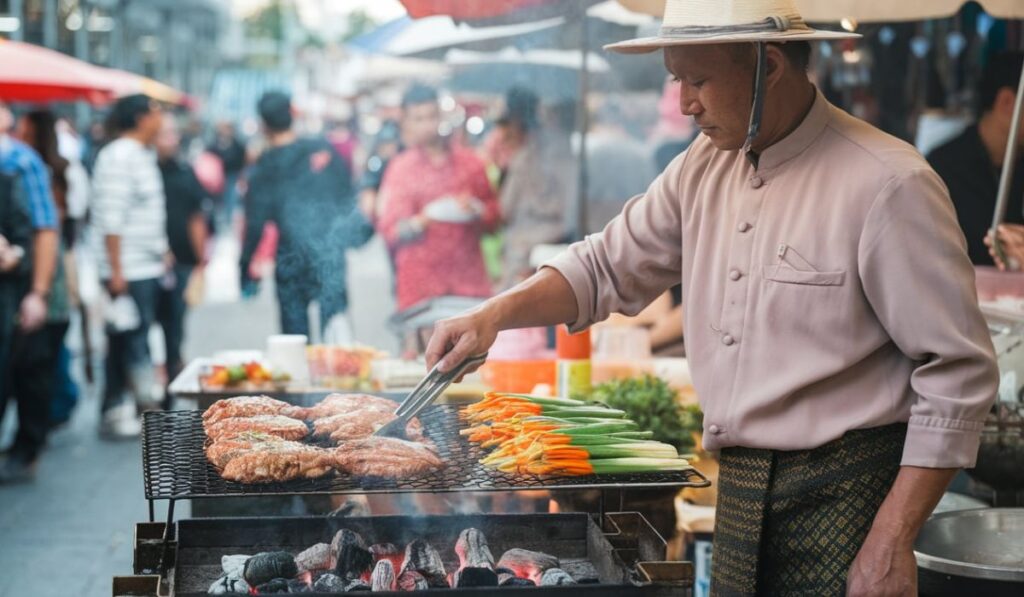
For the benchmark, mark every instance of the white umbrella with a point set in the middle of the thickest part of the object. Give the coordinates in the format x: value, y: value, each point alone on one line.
x: 613, y: 12
x: 432, y: 33
x: 361, y: 70
x: 571, y: 59
x: 869, y: 10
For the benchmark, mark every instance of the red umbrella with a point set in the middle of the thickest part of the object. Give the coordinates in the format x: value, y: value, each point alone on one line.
x: 495, y: 12
x: 30, y: 73
x: 468, y: 10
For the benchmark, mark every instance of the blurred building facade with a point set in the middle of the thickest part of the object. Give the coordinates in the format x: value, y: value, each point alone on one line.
x: 174, y: 41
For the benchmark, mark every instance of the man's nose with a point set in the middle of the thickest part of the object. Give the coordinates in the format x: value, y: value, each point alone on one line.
x: 688, y: 103
x: 690, y: 107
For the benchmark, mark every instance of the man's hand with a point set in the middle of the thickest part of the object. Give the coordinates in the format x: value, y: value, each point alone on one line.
x: 1011, y: 240
x: 883, y: 568
x: 885, y: 565
x: 32, y: 313
x: 456, y: 339
x: 10, y: 257
x: 117, y: 285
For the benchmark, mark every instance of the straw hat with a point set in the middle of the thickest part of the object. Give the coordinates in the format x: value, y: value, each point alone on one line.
x: 689, y: 22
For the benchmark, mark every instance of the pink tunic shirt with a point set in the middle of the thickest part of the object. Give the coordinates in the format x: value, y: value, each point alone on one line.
x: 825, y: 291
x: 446, y: 259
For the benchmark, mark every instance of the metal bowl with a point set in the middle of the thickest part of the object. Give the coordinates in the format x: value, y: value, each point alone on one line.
x: 979, y: 544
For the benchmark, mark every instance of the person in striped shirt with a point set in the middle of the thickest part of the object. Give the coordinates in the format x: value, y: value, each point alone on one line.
x: 129, y: 215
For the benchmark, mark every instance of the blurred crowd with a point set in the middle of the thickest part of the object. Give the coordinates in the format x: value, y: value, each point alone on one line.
x: 463, y: 205
x: 144, y: 191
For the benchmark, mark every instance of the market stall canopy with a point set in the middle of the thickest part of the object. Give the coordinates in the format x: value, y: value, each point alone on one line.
x: 551, y: 74
x: 31, y: 73
x: 870, y: 10
x: 128, y: 83
x: 409, y: 37
x: 494, y: 11
x: 362, y: 70
x: 613, y: 12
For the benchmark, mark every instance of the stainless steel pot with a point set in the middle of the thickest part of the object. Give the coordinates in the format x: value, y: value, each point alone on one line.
x: 981, y: 551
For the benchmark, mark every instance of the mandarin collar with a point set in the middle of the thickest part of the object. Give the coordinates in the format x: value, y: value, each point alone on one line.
x: 801, y: 138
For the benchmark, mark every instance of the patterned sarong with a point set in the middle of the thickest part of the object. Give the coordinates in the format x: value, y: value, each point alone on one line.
x: 791, y: 523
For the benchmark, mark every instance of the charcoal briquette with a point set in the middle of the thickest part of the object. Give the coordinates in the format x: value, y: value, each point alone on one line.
x: 269, y: 565
x: 329, y: 583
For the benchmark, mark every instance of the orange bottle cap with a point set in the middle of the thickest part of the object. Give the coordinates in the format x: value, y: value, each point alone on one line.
x: 572, y: 346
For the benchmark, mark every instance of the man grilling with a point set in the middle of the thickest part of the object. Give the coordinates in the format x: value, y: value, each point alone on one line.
x: 832, y: 325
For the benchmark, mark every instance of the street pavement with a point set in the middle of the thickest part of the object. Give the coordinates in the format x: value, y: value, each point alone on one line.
x: 70, y: 532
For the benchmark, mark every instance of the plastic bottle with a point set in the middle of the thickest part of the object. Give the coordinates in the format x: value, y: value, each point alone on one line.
x: 573, y: 362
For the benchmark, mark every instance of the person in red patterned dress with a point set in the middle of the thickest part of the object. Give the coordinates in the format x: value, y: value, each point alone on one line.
x: 437, y: 202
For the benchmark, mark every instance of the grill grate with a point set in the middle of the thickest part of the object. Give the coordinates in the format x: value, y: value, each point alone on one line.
x: 175, y: 467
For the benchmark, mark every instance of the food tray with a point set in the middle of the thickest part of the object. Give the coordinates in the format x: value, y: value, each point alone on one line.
x: 175, y: 466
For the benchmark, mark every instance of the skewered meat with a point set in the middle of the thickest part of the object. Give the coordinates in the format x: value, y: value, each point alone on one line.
x: 248, y: 406
x: 316, y: 558
x: 421, y: 557
x: 385, y: 457
x: 383, y: 577
x: 281, y: 462
x: 266, y: 566
x: 359, y: 424
x: 339, y: 404
x: 220, y: 452
x: 281, y: 426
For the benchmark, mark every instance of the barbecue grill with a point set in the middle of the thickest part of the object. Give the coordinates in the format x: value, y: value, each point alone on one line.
x: 175, y: 468
x: 622, y: 559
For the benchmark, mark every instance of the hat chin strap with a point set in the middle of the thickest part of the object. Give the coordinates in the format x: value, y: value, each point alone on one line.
x: 757, y: 109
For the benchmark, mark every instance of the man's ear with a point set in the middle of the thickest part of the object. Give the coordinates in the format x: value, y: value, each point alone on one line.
x: 1006, y: 98
x: 777, y: 63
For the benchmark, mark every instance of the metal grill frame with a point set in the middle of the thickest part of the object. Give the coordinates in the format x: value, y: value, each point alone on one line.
x: 175, y: 467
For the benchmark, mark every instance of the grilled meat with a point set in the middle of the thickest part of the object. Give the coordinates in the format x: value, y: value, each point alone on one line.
x: 339, y: 404
x: 282, y: 462
x: 248, y: 406
x: 359, y: 424
x: 220, y: 452
x: 281, y: 426
x: 385, y: 457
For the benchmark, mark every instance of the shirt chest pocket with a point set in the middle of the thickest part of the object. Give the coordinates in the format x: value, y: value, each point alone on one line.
x: 790, y: 267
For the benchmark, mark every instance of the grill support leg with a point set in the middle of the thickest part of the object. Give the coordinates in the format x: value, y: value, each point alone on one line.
x: 152, y: 512
x: 162, y: 569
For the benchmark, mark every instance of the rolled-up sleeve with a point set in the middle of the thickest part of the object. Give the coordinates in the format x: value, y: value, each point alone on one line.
x: 633, y: 260
x: 920, y: 284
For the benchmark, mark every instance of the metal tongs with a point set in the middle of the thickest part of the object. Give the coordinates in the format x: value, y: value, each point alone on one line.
x: 425, y: 394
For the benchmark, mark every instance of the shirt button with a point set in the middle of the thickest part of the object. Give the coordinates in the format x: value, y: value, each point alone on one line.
x: 756, y: 182
x: 735, y: 275
x: 743, y: 227
x: 715, y: 429
x: 728, y: 340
